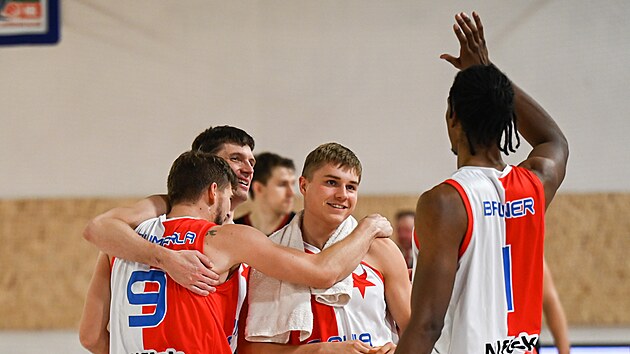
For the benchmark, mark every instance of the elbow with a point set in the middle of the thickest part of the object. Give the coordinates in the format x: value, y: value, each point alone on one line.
x: 88, y: 232
x: 326, y: 279
x: 91, y: 231
x: 564, y: 144
x: 89, y: 340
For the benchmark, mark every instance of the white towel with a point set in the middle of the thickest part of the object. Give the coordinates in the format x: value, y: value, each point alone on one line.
x: 339, y: 294
x: 277, y: 307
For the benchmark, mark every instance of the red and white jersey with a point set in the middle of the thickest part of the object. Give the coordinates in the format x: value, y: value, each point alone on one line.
x: 496, y: 304
x: 365, y: 317
x: 150, y: 313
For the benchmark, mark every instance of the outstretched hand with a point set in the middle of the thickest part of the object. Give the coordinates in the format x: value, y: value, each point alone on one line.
x: 472, y: 42
x: 192, y: 270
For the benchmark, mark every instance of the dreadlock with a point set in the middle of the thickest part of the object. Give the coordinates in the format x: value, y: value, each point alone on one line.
x: 483, y: 98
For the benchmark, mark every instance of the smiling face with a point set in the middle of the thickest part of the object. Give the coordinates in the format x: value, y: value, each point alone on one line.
x: 241, y: 160
x: 330, y: 195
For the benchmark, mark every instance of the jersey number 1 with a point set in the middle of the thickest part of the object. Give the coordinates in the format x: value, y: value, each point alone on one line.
x: 148, y: 298
x: 507, y: 277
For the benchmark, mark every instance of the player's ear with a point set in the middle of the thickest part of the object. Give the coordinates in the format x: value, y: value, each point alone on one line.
x: 212, y: 192
x: 257, y: 187
x: 303, y: 182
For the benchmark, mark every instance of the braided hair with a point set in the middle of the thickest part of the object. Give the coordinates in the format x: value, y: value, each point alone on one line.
x: 483, y: 98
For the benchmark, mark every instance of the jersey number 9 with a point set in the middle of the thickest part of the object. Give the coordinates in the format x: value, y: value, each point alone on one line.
x: 147, y: 298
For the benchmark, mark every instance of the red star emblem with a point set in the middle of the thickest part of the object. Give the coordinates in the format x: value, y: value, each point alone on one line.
x: 361, y: 282
x: 245, y: 272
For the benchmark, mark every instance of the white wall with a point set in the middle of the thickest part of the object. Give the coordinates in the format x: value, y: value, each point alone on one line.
x: 131, y: 83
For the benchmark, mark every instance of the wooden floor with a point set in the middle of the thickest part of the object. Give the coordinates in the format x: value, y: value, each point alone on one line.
x: 67, y: 342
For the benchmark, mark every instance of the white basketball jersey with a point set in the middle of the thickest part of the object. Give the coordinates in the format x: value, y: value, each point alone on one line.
x: 364, y: 318
x: 496, y: 303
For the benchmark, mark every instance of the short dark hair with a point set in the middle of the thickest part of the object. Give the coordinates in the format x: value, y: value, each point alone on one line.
x: 193, y: 172
x: 482, y: 97
x: 333, y: 153
x: 266, y: 162
x: 212, y: 139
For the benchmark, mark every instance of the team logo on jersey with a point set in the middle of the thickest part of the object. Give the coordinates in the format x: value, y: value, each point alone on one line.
x: 512, y: 209
x: 523, y: 343
x: 363, y: 337
x: 167, y: 351
x: 361, y: 282
x: 175, y: 239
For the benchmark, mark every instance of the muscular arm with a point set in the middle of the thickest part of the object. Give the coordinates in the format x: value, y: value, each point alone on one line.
x: 554, y: 314
x: 392, y: 265
x: 113, y: 233
x: 321, y: 270
x: 441, y: 224
x: 550, y: 153
x: 93, y: 332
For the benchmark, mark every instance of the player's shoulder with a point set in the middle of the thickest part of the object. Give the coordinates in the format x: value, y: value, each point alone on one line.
x: 383, y: 245
x: 236, y: 232
x: 441, y: 197
x: 384, y: 255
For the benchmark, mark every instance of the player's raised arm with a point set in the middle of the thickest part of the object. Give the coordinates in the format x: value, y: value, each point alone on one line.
x: 550, y: 149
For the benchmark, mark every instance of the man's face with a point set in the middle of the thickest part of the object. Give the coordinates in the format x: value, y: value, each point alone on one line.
x: 331, y: 194
x: 222, y: 205
x: 404, y: 229
x: 278, y: 193
x: 242, y: 161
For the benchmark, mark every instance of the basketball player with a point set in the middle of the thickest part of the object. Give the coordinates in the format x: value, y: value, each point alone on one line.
x: 272, y: 193
x: 478, y: 279
x: 381, y: 294
x: 112, y: 232
x: 151, y: 313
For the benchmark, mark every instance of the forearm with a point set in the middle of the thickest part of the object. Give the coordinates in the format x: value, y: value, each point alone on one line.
x: 534, y: 123
x: 559, y: 331
x: 417, y: 341
x: 115, y: 238
x: 342, y: 258
x: 102, y: 346
x: 554, y: 314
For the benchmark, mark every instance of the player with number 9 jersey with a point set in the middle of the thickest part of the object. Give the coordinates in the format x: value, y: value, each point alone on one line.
x: 150, y: 313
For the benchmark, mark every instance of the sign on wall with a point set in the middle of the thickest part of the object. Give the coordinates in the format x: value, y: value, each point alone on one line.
x: 29, y: 22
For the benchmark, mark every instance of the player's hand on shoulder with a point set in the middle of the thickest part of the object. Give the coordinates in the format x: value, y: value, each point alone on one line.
x: 192, y: 270
x: 380, y: 223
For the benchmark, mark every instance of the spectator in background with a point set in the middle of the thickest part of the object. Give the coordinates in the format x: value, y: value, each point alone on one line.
x: 404, y: 233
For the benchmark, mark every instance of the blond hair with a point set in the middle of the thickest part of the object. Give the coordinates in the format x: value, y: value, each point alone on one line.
x: 332, y: 153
